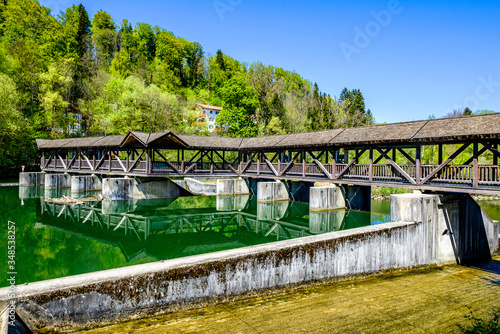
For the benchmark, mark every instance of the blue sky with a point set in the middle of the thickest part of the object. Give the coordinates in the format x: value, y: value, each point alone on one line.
x: 410, y: 59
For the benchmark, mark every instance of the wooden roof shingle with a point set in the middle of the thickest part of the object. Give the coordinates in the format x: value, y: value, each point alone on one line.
x: 437, y: 130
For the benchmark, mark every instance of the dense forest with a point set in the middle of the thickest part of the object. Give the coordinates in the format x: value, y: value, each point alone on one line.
x: 68, y: 75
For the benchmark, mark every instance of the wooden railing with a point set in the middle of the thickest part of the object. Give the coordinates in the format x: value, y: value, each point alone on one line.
x: 488, y: 175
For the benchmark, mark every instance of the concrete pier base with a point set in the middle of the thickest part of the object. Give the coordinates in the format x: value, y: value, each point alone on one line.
x: 272, y: 192
x: 232, y: 203
x: 85, y: 183
x: 456, y: 228
x: 326, y: 198
x: 230, y: 187
x: 272, y: 210
x: 139, y: 188
x: 326, y: 221
x: 31, y: 179
x: 57, y: 181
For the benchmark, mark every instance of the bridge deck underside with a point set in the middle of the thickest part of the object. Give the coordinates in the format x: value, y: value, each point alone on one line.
x: 470, y: 167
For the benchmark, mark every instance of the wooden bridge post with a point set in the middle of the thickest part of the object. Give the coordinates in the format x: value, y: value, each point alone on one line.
x: 258, y: 163
x: 475, y: 166
x: 418, y: 169
x: 495, y: 162
x: 303, y: 163
x: 370, y: 167
x: 334, y: 163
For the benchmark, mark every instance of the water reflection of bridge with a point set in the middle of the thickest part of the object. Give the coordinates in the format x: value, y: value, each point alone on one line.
x: 155, y: 229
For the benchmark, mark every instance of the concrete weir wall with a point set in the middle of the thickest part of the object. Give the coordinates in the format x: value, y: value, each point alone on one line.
x: 138, y: 188
x: 98, y: 298
x: 31, y: 179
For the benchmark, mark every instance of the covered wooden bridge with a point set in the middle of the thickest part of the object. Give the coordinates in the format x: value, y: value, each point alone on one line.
x: 454, y: 154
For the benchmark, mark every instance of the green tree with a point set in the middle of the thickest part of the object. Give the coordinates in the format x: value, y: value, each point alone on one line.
x: 15, y: 141
x: 104, y: 38
x: 240, y: 103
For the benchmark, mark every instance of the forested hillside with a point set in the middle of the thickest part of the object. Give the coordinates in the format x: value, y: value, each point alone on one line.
x: 65, y: 74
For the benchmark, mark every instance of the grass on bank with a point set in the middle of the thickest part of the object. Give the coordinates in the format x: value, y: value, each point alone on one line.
x: 483, y: 326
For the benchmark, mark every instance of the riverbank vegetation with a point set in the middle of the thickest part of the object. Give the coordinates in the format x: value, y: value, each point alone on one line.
x: 66, y: 74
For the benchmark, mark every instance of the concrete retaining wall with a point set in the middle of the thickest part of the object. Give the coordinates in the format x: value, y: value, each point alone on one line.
x: 31, y: 179
x: 97, y: 298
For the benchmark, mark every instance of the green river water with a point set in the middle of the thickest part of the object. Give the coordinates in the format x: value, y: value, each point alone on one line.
x: 56, y: 240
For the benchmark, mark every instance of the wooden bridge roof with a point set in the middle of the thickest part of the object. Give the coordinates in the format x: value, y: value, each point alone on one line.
x: 428, y: 131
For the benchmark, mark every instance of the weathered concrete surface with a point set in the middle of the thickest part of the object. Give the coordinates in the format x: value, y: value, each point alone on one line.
x: 272, y: 192
x: 99, y: 297
x: 433, y: 300
x: 139, y: 188
x: 231, y: 187
x: 457, y: 228
x: 200, y: 188
x: 232, y: 203
x: 326, y: 198
x: 85, y: 183
x: 31, y: 179
x: 57, y: 181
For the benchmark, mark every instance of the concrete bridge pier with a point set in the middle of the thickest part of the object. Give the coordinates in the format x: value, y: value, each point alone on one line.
x: 85, y: 183
x: 456, y: 228
x: 327, y: 198
x: 139, y: 188
x: 272, y: 192
x: 31, y: 179
x: 340, y: 197
x: 57, y: 181
x: 231, y: 187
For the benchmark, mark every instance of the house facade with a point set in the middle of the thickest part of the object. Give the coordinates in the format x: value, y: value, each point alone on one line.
x: 209, y: 114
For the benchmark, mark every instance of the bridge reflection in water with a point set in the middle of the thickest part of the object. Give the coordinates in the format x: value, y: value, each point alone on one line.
x: 172, y: 228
